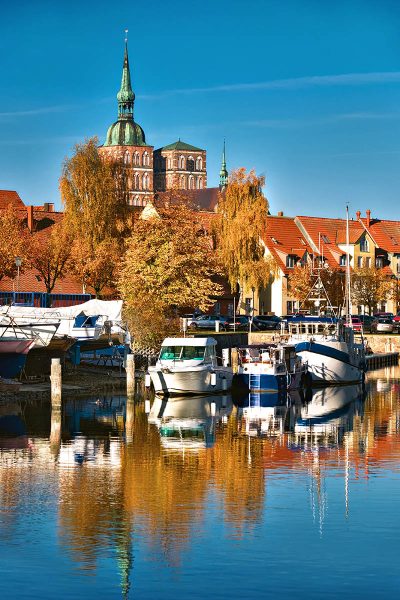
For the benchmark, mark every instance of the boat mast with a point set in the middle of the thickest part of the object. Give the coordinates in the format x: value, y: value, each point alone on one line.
x: 348, y: 283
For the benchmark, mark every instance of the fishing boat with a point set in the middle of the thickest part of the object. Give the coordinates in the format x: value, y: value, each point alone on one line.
x: 189, y: 366
x: 330, y: 347
x: 273, y: 367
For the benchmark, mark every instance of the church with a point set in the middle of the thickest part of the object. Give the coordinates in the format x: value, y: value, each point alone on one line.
x: 178, y: 165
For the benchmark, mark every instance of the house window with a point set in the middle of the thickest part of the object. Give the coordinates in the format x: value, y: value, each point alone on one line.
x: 379, y: 262
x: 290, y: 261
x: 359, y: 262
x: 343, y: 260
x: 364, y: 246
x: 368, y: 261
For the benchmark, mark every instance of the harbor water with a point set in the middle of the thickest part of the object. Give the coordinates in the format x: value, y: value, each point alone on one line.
x: 205, y: 497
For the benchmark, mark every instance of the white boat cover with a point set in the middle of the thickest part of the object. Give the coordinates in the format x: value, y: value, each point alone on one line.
x: 111, y: 309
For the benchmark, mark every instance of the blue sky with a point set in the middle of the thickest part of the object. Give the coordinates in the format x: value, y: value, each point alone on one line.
x: 305, y: 92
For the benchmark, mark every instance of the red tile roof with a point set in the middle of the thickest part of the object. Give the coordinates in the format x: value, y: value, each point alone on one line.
x: 282, y: 237
x: 386, y: 234
x: 8, y: 197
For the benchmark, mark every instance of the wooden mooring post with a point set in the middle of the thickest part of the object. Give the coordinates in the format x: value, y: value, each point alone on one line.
x: 130, y: 375
x: 56, y: 383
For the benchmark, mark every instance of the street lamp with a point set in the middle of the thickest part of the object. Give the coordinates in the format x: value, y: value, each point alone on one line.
x: 18, y: 262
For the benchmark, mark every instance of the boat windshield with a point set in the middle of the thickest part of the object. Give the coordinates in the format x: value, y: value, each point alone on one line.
x: 182, y: 353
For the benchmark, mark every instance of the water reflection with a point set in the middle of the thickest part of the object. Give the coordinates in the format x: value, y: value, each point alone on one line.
x: 189, y: 422
x: 116, y: 483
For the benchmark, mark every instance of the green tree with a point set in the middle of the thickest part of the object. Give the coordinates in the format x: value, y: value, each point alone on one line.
x: 168, y: 266
x: 243, y: 211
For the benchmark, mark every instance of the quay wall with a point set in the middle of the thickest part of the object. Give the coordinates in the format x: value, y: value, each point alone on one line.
x: 378, y: 343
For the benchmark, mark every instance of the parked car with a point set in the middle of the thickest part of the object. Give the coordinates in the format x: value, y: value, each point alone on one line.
x: 238, y: 322
x: 382, y: 325
x: 189, y: 318
x: 366, y: 320
x: 356, y: 323
x: 208, y: 322
x: 266, y: 322
x: 396, y: 319
x: 383, y: 315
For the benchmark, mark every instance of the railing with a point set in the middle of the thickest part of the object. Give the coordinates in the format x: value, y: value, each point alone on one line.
x: 41, y: 299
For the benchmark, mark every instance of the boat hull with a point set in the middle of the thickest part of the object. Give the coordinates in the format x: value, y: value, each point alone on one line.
x: 328, y: 366
x: 13, y: 355
x: 196, y: 381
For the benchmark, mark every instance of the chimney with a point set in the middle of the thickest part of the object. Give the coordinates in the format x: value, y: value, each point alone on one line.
x: 280, y: 213
x: 368, y: 213
x: 51, y: 206
x: 29, y: 210
x: 358, y: 215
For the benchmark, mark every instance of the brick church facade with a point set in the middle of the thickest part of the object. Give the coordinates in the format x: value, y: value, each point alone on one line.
x: 176, y: 166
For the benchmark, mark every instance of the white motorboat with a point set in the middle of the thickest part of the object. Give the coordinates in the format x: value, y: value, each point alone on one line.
x: 189, y: 366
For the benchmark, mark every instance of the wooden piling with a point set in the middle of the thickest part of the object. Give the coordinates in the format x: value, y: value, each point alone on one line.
x: 56, y: 383
x: 234, y: 359
x: 130, y: 375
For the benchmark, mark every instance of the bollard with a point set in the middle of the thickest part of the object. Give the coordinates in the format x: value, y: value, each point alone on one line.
x: 217, y: 326
x: 130, y: 375
x: 56, y: 382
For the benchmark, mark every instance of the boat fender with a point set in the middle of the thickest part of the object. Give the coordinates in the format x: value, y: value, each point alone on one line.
x: 213, y: 379
x: 147, y: 380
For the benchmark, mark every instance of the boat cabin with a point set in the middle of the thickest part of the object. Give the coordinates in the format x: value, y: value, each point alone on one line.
x: 199, y: 350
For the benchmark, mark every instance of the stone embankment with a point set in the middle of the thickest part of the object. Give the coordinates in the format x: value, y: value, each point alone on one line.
x: 378, y: 343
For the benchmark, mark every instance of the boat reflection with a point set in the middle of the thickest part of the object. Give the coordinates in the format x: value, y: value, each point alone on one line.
x: 269, y: 414
x: 189, y: 422
x: 326, y: 418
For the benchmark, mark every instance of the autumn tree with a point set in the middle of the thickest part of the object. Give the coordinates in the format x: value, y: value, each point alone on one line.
x: 306, y: 283
x: 370, y: 286
x: 243, y: 211
x: 168, y: 266
x: 94, y: 191
x: 49, y: 252
x: 12, y: 243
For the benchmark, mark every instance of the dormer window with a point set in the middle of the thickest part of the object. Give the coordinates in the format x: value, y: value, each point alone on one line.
x: 290, y: 261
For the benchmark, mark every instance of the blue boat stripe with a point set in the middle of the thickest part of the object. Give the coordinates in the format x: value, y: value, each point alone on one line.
x: 323, y: 350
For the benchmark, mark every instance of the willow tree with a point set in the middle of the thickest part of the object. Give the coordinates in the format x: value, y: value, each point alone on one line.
x: 243, y: 211
x: 168, y: 267
x: 94, y: 191
x: 12, y: 243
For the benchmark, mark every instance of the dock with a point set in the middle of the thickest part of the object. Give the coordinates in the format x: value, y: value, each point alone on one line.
x: 383, y: 359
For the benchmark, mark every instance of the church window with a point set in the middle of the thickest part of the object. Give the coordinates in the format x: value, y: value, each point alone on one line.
x: 199, y: 163
x: 181, y: 162
x: 190, y: 164
x: 127, y: 158
x: 137, y: 159
x: 145, y: 181
x: 191, y: 182
x: 136, y: 201
x: 137, y: 182
x: 199, y: 183
x: 145, y: 159
x: 182, y: 182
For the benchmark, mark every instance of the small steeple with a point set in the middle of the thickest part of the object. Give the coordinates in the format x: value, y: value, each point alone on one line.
x: 223, y: 174
x: 125, y: 96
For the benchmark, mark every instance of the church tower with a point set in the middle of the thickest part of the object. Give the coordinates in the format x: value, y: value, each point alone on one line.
x: 126, y: 141
x: 223, y: 174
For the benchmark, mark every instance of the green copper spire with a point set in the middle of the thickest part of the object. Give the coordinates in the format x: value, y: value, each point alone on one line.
x: 223, y: 174
x: 125, y: 96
